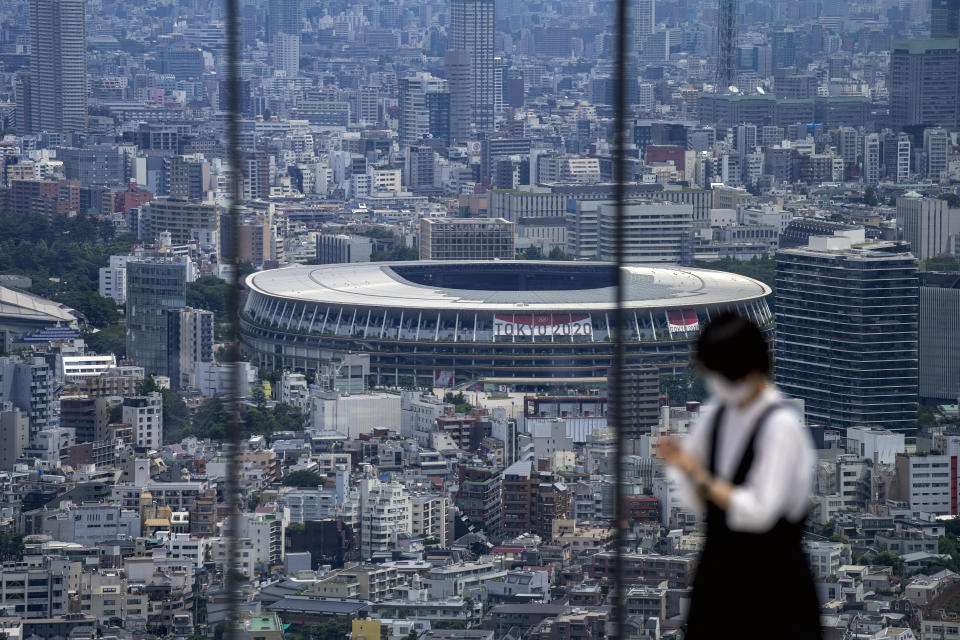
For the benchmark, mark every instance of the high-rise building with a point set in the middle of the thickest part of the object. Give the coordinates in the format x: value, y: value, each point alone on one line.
x: 14, y: 434
x: 58, y: 66
x: 145, y: 415
x: 935, y: 144
x: 284, y: 16
x: 846, y: 340
x: 928, y: 225
x: 727, y: 44
x: 472, y: 30
x: 654, y: 232
x: 189, y: 342
x: 466, y: 239
x: 923, y: 81
x: 944, y: 19
x: 28, y: 385
x: 154, y: 286
x: 286, y: 53
x: 87, y: 416
x: 871, y: 158
x: 457, y: 68
x: 939, y: 336
x: 645, y: 18
x: 904, y: 152
x: 414, y: 107
x: 641, y: 400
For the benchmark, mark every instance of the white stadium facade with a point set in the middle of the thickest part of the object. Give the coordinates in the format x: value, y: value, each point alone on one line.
x: 522, y: 324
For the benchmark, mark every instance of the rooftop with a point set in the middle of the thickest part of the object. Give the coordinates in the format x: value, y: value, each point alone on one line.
x: 498, y: 285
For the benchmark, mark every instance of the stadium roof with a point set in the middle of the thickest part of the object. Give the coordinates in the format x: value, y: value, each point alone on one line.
x: 380, y: 285
x: 24, y: 307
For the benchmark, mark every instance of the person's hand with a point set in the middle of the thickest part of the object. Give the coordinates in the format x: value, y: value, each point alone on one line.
x: 672, y: 451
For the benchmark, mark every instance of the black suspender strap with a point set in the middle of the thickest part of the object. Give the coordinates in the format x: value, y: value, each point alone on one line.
x: 748, y: 452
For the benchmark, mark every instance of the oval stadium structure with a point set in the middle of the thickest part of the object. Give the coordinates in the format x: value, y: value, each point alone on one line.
x: 516, y: 323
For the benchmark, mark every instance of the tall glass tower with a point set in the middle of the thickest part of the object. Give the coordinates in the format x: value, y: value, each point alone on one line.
x: 154, y: 286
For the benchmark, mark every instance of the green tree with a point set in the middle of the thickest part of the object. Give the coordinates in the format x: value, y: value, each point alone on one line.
x: 953, y: 200
x: 869, y: 197
x: 212, y: 294
x: 259, y: 397
x: 110, y: 339
x: 211, y: 419
x: 303, y: 479
x: 941, y: 263
x: 176, y: 417
x: 460, y: 402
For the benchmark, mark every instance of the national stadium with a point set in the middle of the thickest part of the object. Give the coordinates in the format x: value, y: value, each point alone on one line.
x: 518, y: 324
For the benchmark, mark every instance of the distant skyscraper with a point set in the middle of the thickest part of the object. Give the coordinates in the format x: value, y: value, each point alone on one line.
x: 414, y: 116
x: 871, y: 158
x: 846, y: 340
x: 57, y: 88
x: 727, y: 44
x: 923, y: 83
x: 903, y: 158
x: 285, y: 16
x: 456, y: 66
x: 154, y: 286
x: 935, y: 144
x: 945, y: 18
x: 189, y: 342
x: 286, y: 53
x: 646, y: 17
x: 472, y: 30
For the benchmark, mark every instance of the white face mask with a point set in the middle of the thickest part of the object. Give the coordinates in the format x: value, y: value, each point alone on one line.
x: 726, y: 391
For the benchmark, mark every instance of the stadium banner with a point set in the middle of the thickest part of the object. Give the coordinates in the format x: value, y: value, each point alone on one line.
x: 443, y: 378
x: 682, y: 320
x: 542, y: 325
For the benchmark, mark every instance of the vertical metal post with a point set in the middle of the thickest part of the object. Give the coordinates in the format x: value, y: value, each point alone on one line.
x: 237, y: 392
x: 615, y: 379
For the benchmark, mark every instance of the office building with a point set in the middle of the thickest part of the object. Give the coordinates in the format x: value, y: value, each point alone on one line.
x: 940, y: 336
x: 27, y: 383
x: 531, y: 500
x: 414, y: 117
x: 904, y: 156
x: 341, y: 248
x: 286, y: 53
x: 419, y: 174
x: 923, y: 83
x: 850, y: 369
x: 641, y: 401
x: 727, y: 44
x: 871, y: 158
x: 935, y: 150
x: 189, y: 342
x: 57, y: 91
x: 928, y: 225
x: 145, y: 415
x: 944, y: 19
x: 187, y: 177
x: 645, y: 19
x: 180, y: 218
x: 14, y: 434
x: 466, y: 239
x: 654, y: 232
x: 284, y: 16
x: 458, y: 70
x: 471, y: 30
x: 154, y: 286
x: 87, y: 416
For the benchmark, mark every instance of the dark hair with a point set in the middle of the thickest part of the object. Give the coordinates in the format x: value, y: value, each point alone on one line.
x: 733, y: 346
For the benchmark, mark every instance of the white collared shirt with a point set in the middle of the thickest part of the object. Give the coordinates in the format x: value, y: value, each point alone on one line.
x: 780, y: 480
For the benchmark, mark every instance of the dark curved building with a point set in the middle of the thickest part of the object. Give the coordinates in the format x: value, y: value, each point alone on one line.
x: 523, y: 323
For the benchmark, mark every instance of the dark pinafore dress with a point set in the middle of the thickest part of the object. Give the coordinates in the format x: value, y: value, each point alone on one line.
x: 752, y: 585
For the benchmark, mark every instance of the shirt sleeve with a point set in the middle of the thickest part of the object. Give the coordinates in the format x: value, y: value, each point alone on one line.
x: 780, y: 478
x: 695, y: 443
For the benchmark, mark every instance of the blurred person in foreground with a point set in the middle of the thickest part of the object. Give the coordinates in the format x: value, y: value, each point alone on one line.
x: 749, y: 460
